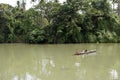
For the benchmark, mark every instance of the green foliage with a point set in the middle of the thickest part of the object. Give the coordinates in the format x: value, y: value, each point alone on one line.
x: 36, y: 36
x: 1, y: 38
x: 11, y: 38
x: 75, y: 21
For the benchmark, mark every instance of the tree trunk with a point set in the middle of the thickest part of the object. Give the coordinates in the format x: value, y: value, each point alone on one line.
x: 118, y: 8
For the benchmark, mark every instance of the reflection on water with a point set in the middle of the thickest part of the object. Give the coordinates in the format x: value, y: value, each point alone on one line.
x: 44, y: 67
x: 26, y: 77
x: 52, y: 63
x: 114, y: 74
x: 77, y: 64
x: 57, y: 62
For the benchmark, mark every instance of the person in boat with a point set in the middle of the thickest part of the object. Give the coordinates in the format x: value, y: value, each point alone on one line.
x: 79, y: 52
x: 83, y: 51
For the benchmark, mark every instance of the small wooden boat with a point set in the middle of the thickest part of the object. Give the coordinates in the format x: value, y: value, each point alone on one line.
x: 84, y: 52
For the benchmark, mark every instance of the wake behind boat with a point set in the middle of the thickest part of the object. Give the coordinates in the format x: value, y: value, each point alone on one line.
x: 85, y: 52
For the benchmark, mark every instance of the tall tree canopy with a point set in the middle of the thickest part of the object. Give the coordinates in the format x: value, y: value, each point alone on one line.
x: 74, y: 21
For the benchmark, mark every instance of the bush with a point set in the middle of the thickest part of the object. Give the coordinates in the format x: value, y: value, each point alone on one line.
x: 11, y: 38
x: 35, y: 36
x: 1, y: 38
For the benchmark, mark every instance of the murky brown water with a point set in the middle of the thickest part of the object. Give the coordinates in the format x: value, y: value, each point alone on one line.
x: 57, y: 62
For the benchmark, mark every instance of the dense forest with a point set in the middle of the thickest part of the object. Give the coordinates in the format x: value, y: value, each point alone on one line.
x: 74, y: 21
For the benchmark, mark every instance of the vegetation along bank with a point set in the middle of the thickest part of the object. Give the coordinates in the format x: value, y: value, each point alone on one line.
x: 74, y: 21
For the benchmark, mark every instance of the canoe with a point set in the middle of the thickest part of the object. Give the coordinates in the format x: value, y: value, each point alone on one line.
x: 87, y: 52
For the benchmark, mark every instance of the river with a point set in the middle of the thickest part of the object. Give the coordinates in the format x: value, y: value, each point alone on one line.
x: 57, y: 62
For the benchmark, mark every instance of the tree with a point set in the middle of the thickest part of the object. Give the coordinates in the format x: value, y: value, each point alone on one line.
x: 18, y: 4
x: 23, y: 5
x: 74, y: 21
x: 64, y: 27
x: 6, y: 32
